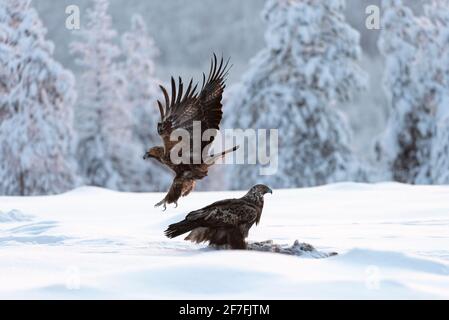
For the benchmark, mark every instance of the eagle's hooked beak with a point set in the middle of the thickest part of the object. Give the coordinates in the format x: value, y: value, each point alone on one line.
x: 146, y: 156
x: 270, y: 191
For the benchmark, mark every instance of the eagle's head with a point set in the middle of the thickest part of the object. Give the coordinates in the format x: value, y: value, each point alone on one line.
x: 155, y: 152
x: 256, y: 193
x: 260, y: 189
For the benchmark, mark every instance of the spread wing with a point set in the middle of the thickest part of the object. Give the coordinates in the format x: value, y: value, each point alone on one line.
x: 225, y: 213
x: 183, y: 109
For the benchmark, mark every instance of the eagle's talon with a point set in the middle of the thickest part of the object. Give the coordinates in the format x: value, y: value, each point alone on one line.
x: 162, y: 202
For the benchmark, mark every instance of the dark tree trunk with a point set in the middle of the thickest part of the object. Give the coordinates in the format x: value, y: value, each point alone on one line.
x: 22, y: 183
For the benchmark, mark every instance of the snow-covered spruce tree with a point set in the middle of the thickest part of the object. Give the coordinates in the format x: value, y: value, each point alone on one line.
x: 438, y: 13
x: 416, y: 83
x: 142, y: 92
x: 36, y: 100
x: 108, y: 153
x: 440, y: 153
x: 308, y: 66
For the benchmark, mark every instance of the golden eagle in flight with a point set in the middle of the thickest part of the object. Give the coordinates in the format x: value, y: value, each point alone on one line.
x: 185, y: 111
x: 224, y: 222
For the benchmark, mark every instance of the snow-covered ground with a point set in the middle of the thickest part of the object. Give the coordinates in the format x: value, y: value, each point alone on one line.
x: 392, y: 240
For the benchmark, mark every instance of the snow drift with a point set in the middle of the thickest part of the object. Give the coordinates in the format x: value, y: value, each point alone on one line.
x: 94, y: 243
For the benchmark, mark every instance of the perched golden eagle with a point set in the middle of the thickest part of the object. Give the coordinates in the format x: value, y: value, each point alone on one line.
x: 225, y: 222
x: 185, y: 112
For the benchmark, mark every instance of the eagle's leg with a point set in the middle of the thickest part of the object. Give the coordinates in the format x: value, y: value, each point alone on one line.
x: 173, y: 195
x: 236, y: 240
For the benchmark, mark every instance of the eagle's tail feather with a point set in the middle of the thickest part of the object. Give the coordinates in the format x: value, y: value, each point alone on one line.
x: 176, y: 229
x: 215, y: 157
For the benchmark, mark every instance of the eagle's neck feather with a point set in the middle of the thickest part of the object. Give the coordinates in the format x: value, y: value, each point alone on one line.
x: 255, y: 198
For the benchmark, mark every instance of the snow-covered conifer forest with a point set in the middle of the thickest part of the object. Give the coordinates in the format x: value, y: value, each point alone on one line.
x: 361, y: 113
x: 349, y: 103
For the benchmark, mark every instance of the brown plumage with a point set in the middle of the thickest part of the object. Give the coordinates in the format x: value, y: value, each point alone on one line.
x: 225, y: 222
x: 179, y: 112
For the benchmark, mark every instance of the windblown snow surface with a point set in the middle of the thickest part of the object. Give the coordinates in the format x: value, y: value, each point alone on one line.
x: 91, y: 243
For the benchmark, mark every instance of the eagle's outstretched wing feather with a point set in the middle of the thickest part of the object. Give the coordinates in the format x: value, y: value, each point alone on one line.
x: 182, y: 109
